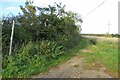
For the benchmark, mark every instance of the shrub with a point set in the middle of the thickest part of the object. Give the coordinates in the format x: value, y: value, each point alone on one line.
x: 93, y: 41
x: 38, y: 39
x: 30, y: 56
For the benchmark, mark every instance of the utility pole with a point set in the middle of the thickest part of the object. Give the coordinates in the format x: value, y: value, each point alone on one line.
x: 109, y: 24
x: 10, y: 50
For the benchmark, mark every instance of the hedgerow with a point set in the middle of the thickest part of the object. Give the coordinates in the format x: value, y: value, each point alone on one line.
x: 38, y: 39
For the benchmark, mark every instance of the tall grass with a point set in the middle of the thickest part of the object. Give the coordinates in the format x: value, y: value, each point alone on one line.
x: 31, y: 58
x: 105, y: 53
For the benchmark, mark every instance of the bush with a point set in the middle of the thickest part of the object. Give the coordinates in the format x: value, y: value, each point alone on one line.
x: 93, y: 41
x: 38, y: 39
x: 30, y: 56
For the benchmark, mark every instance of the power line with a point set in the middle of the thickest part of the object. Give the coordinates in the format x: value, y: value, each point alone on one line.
x: 96, y: 8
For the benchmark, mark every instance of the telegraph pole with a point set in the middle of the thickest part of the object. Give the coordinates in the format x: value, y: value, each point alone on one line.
x: 10, y: 50
x: 109, y: 24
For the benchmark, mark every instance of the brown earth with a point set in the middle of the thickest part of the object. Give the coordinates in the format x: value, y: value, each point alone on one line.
x: 75, y: 68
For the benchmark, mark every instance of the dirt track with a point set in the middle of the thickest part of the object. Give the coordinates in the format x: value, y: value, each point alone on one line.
x: 74, y: 68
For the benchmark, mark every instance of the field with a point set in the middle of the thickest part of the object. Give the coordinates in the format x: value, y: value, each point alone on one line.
x: 104, y: 52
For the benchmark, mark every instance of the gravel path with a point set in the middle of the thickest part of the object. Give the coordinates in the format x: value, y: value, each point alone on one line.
x: 74, y: 68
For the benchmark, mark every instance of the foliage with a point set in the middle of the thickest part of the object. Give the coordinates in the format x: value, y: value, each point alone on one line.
x: 30, y: 54
x: 38, y: 38
x: 93, y: 41
x: 52, y: 23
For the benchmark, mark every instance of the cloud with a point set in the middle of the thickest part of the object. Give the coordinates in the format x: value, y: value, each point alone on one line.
x: 12, y: 8
x: 45, y: 2
x: 12, y: 0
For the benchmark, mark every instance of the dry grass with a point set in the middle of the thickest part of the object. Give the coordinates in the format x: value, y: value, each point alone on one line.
x: 103, y: 38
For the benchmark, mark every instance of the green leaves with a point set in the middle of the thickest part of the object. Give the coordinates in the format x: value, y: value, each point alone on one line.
x: 51, y: 21
x: 38, y: 39
x: 29, y: 57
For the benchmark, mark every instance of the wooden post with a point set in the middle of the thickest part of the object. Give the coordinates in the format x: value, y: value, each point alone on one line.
x: 10, y: 50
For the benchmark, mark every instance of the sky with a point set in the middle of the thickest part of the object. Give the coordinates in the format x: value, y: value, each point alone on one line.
x: 95, y: 23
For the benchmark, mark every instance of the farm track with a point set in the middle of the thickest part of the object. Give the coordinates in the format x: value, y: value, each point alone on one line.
x: 76, y: 67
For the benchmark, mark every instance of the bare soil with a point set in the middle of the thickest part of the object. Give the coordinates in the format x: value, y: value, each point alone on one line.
x: 75, y: 68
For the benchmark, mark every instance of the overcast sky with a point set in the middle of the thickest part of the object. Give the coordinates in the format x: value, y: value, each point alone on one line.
x: 96, y: 22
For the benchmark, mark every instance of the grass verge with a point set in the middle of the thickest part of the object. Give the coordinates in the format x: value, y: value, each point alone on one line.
x: 104, y: 53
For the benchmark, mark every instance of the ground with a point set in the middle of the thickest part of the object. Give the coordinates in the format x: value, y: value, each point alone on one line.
x: 77, y: 67
x: 74, y: 68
